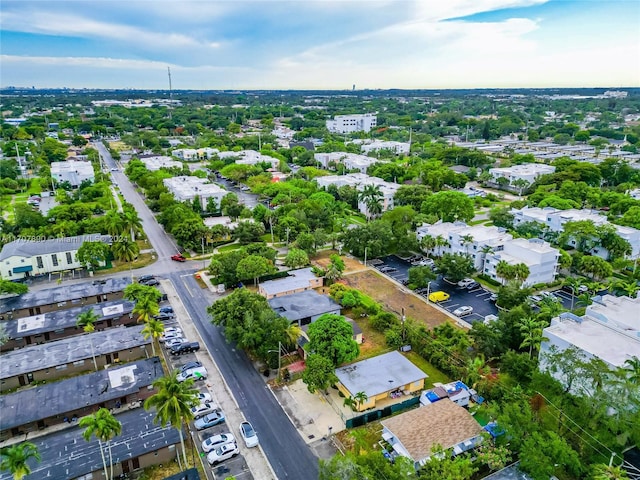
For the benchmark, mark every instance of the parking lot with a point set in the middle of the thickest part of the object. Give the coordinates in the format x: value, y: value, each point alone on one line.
x: 477, y: 298
x: 234, y: 467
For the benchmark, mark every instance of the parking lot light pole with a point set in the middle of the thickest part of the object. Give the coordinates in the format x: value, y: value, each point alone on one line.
x: 428, y: 290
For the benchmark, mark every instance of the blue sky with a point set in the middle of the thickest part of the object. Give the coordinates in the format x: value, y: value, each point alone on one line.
x: 307, y: 44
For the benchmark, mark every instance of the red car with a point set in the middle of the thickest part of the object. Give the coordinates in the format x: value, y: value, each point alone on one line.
x: 178, y: 258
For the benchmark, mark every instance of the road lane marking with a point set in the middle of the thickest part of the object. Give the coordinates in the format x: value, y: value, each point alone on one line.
x: 186, y: 286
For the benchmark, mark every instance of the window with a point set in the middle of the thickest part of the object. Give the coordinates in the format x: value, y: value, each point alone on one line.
x: 10, y: 274
x: 39, y: 260
x: 69, y: 258
x: 54, y: 259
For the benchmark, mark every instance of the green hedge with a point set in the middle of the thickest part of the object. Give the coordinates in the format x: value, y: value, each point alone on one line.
x: 489, y: 280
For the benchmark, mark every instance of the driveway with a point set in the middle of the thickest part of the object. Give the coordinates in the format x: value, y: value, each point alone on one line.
x: 478, y: 298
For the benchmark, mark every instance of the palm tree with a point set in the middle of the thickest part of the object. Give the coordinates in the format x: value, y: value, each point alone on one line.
x: 136, y: 292
x: 104, y: 427
x: 146, y: 308
x: 360, y: 398
x: 292, y: 333
x: 505, y: 270
x: 132, y: 222
x: 531, y: 329
x: 173, y: 402
x: 114, y: 223
x: 125, y: 250
x: 574, y: 284
x: 629, y: 288
x: 465, y: 241
x: 521, y: 184
x: 476, y: 369
x: 521, y: 272
x: 485, y: 251
x: 371, y: 196
x: 428, y: 243
x: 15, y: 458
x: 153, y: 328
x: 585, y: 299
x: 86, y: 320
x: 608, y: 472
x: 632, y: 365
x: 441, y: 243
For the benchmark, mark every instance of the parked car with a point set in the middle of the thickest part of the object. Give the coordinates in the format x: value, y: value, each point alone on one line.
x: 473, y: 286
x: 535, y: 299
x: 198, y: 373
x: 203, y: 409
x: 204, y: 397
x: 164, y: 316
x: 210, y: 420
x: 144, y: 278
x: 171, y: 332
x: 174, y: 341
x: 248, y: 434
x: 427, y: 262
x: 217, y: 441
x: 493, y: 297
x: 149, y: 283
x: 464, y: 283
x: 189, y: 365
x: 462, y: 311
x: 438, y: 296
x: 178, y: 258
x: 166, y: 309
x: 421, y: 290
x: 184, y: 347
x: 223, y: 453
x: 550, y: 295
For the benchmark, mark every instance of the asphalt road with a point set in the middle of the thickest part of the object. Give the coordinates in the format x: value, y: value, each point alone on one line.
x: 287, y: 453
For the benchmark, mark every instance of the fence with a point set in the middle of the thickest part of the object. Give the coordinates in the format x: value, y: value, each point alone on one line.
x: 378, y: 414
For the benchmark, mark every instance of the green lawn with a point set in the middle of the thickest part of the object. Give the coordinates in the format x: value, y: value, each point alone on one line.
x: 435, y: 375
x: 229, y: 248
x: 35, y: 187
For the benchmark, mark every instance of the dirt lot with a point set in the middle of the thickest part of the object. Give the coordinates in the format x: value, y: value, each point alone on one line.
x: 394, y: 297
x: 321, y: 259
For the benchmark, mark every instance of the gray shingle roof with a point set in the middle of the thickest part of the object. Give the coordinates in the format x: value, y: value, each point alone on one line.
x: 30, y: 248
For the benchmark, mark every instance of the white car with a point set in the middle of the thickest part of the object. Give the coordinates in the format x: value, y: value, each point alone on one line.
x: 198, y: 373
x: 217, y: 441
x: 203, y: 409
x: 465, y: 282
x: 248, y: 434
x: 204, y: 397
x: 427, y: 262
x: 223, y: 453
x: 170, y: 332
x: 462, y: 311
x: 170, y: 342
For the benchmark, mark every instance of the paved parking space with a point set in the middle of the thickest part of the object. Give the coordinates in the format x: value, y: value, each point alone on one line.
x: 477, y: 298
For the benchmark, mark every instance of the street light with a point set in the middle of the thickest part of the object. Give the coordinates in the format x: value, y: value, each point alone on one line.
x: 279, y: 358
x: 428, y: 290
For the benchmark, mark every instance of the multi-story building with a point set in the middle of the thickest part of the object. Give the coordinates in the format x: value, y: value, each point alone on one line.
x: 72, y: 171
x: 609, y: 331
x: 555, y: 219
x: 156, y: 162
x: 352, y: 123
x: 185, y: 189
x: 351, y: 161
x: 475, y: 241
x: 359, y: 181
x: 26, y: 258
x: 527, y: 171
x: 540, y: 257
x: 377, y: 145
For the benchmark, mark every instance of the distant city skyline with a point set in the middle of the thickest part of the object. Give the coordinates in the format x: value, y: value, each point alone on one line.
x: 323, y: 44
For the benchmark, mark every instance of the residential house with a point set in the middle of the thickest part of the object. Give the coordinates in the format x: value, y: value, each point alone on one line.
x: 61, y: 298
x: 539, y: 256
x: 456, y: 391
x: 554, y: 220
x: 298, y: 281
x: 396, y: 147
x: 186, y: 189
x: 70, y: 356
x: 53, y: 403
x: 476, y: 240
x: 72, y: 171
x: 186, y: 154
x: 528, y: 172
x: 359, y: 181
x: 609, y: 331
x: 50, y: 326
x: 303, y: 307
x: 390, y: 375
x: 26, y: 258
x: 142, y: 443
x: 352, y: 123
x: 415, y: 434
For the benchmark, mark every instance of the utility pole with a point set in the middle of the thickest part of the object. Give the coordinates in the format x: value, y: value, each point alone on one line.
x: 170, y: 91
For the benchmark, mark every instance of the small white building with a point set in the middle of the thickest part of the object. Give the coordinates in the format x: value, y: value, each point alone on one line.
x: 555, y: 219
x: 609, y: 331
x: 396, y: 147
x: 527, y: 171
x: 185, y: 189
x: 540, y: 257
x: 72, y: 171
x: 352, y: 123
x: 359, y: 181
x: 251, y: 157
x: 26, y: 258
x: 186, y: 154
x: 475, y: 241
x: 156, y: 162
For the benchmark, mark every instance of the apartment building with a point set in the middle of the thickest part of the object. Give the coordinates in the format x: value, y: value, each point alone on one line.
x: 352, y: 123
x: 555, y: 219
x: 359, y: 181
x: 528, y: 172
x: 156, y: 162
x: 539, y: 256
x: 73, y: 171
x: 186, y: 188
x: 396, y: 147
x: 26, y: 258
x: 351, y: 161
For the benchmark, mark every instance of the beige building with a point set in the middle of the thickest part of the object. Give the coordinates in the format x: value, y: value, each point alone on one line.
x: 297, y: 281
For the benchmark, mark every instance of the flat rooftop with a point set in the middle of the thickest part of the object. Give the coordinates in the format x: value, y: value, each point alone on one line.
x: 618, y: 312
x: 32, y: 248
x: 63, y: 294
x: 68, y: 350
x: 66, y: 455
x: 64, y: 396
x: 301, y: 305
x: 60, y: 319
x: 379, y: 374
x: 296, y: 279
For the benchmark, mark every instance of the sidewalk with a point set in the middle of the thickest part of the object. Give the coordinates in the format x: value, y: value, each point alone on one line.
x: 216, y: 384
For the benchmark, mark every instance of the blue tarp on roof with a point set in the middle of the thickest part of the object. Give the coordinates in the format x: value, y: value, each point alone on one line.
x: 493, y: 429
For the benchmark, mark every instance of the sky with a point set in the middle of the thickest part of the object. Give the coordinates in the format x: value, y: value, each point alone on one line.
x: 319, y: 44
